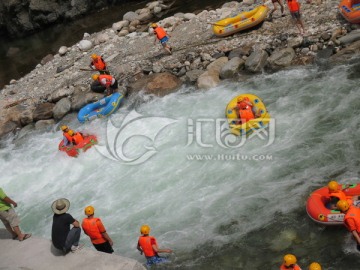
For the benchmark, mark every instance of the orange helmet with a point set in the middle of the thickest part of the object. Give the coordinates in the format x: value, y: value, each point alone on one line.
x: 153, y: 25
x: 289, y: 259
x: 95, y: 77
x: 315, y: 266
x: 71, y: 132
x: 343, y: 205
x: 333, y: 186
x: 89, y: 210
x: 94, y: 56
x: 145, y: 229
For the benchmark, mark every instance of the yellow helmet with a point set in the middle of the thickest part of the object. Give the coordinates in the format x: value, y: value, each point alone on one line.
x: 153, y: 25
x: 239, y: 99
x: 289, y: 259
x: 64, y: 127
x: 89, y: 210
x: 70, y: 132
x: 315, y: 266
x: 343, y: 205
x: 94, y: 56
x: 145, y: 229
x: 333, y: 186
x: 95, y: 77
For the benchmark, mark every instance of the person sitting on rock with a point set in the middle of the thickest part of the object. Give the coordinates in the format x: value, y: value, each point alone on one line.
x: 104, y: 82
x: 244, y: 110
x: 162, y: 36
x: 98, y: 63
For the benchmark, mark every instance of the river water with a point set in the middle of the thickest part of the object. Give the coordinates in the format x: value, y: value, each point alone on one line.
x: 217, y: 203
x: 20, y: 56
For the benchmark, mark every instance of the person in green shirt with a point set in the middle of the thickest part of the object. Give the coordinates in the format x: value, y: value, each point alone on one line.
x: 9, y: 217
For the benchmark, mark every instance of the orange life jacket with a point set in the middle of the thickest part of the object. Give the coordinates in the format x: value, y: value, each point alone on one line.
x: 67, y: 136
x: 246, y: 115
x: 108, y: 79
x: 354, y: 214
x: 293, y: 5
x: 90, y: 227
x: 145, y: 244
x: 77, y: 138
x: 160, y: 32
x: 296, y: 267
x: 99, y: 63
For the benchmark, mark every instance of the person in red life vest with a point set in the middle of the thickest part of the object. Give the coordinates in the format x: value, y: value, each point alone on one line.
x: 67, y: 139
x: 93, y: 227
x: 290, y: 263
x: 107, y: 82
x: 351, y: 219
x: 162, y: 36
x: 98, y: 63
x: 76, y: 138
x: 148, y: 245
x: 244, y: 110
x: 294, y: 8
x: 315, y: 266
x: 335, y: 195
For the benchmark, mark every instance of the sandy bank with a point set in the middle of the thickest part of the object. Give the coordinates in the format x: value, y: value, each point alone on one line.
x: 39, y: 254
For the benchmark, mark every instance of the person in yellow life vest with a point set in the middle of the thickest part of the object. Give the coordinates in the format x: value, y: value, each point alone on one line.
x: 244, y: 110
x: 67, y: 139
x: 98, y: 63
x: 104, y: 82
x: 95, y: 229
x: 351, y: 219
x: 162, y: 36
x: 315, y: 266
x: 76, y: 138
x: 336, y: 194
x: 148, y: 245
x: 290, y: 263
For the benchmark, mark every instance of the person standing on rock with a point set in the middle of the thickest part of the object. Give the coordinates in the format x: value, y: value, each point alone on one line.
x: 294, y: 8
x: 275, y: 8
x: 9, y: 217
x: 94, y: 228
x: 64, y: 238
x: 162, y: 36
x: 104, y: 82
x: 98, y: 63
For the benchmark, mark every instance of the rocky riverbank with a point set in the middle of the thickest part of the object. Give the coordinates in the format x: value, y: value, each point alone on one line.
x: 57, y: 86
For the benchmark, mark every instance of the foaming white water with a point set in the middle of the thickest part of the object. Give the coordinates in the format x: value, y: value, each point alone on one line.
x: 186, y: 201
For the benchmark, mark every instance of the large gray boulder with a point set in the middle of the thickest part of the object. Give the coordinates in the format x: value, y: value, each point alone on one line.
x: 62, y: 107
x: 256, y: 61
x: 281, y: 58
x: 231, y: 68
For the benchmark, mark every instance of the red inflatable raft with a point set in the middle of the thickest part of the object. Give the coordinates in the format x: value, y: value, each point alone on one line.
x: 317, y: 201
x: 74, y: 150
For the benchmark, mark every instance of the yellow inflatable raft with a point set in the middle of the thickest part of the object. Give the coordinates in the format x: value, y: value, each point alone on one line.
x: 259, y: 109
x: 242, y: 21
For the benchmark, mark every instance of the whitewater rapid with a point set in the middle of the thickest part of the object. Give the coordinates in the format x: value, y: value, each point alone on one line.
x: 216, y: 205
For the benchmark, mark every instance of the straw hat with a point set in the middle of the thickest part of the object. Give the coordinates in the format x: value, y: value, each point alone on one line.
x: 60, y: 206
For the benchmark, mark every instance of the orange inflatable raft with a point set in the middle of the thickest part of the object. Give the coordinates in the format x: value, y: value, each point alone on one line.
x: 74, y: 150
x: 318, y: 200
x: 350, y: 9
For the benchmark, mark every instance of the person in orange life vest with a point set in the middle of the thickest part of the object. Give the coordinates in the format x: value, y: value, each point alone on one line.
x: 335, y: 195
x: 289, y: 263
x: 94, y: 228
x: 109, y: 83
x: 67, y: 139
x: 76, y: 138
x: 315, y: 266
x: 244, y: 110
x: 351, y: 219
x: 98, y: 63
x: 148, y: 245
x: 162, y: 36
x: 294, y: 8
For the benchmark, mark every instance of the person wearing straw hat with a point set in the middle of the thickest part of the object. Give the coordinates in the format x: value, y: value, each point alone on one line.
x: 62, y: 236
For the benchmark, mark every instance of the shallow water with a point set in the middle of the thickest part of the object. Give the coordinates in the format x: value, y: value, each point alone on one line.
x: 215, y: 213
x: 27, y: 52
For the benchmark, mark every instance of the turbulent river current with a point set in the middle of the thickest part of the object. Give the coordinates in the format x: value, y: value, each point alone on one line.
x: 217, y: 202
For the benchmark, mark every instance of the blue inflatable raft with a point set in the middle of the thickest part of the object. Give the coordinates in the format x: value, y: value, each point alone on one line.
x: 101, y: 108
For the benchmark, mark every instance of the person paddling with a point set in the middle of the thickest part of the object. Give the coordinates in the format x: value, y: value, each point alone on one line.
x: 76, y: 137
x: 162, y: 36
x: 244, y: 110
